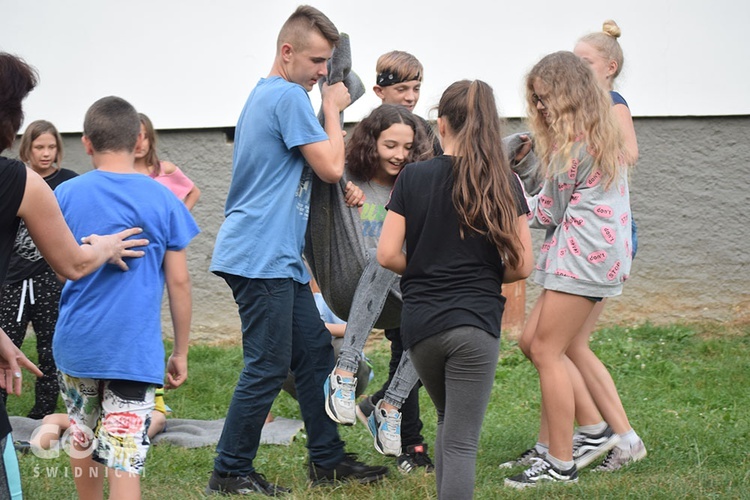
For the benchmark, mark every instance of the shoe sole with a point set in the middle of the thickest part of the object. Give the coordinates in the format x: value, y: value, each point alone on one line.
x: 592, y: 455
x: 521, y: 486
x: 348, y: 479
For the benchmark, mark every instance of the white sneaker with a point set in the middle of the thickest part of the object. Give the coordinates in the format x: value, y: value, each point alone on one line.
x: 617, y: 458
x: 385, y: 428
x: 339, y: 396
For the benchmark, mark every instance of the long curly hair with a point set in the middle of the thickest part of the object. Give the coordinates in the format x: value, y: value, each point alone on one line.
x: 482, y: 193
x: 579, y: 116
x: 362, y: 159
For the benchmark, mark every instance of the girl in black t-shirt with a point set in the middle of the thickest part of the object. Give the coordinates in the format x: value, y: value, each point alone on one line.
x: 462, y: 216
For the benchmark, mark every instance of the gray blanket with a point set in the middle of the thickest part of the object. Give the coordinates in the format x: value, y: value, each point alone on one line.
x: 187, y: 433
x: 335, y: 248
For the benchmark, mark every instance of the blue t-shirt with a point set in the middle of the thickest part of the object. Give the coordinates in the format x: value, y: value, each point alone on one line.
x: 110, y: 321
x: 268, y: 203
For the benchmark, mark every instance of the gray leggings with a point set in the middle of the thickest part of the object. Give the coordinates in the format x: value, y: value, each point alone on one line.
x: 372, y: 291
x: 457, y: 368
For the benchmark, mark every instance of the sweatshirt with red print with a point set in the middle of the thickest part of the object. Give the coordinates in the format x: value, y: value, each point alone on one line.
x: 586, y: 250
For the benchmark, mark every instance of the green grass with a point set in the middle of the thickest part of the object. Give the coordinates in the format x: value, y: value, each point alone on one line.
x: 685, y: 387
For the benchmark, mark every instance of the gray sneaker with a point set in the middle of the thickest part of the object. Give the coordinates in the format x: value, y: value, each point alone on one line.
x: 385, y: 428
x: 339, y: 398
x: 617, y: 458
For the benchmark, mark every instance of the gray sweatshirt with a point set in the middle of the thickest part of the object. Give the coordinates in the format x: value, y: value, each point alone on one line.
x: 587, y: 248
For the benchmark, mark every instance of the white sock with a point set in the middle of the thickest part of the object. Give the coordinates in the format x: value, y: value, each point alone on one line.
x: 541, y: 448
x: 628, y: 439
x: 559, y: 464
x: 592, y: 430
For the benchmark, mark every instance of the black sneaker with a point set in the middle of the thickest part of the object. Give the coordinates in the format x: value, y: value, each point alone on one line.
x: 415, y: 456
x: 542, y: 471
x: 588, y: 447
x: 349, y: 469
x: 243, y: 485
x: 364, y: 409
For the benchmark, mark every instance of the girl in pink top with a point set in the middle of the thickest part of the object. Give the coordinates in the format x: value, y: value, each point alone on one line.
x: 164, y: 172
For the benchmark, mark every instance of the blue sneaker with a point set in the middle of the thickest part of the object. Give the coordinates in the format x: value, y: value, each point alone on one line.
x: 386, y: 430
x: 339, y: 395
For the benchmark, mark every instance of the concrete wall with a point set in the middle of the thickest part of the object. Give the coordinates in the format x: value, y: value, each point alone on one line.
x: 690, y: 196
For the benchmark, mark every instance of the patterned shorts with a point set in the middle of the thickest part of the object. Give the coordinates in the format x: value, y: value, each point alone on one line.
x: 109, y: 418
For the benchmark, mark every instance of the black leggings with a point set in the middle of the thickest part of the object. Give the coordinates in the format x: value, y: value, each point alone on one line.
x: 44, y: 289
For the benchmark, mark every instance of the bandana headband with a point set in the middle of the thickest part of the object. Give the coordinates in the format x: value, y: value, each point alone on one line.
x: 388, y: 78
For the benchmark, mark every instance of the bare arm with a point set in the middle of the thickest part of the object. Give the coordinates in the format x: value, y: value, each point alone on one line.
x: 390, y: 246
x: 526, y: 263
x: 192, y: 197
x: 625, y: 121
x: 181, y: 308
x: 336, y: 329
x: 44, y: 220
x: 327, y: 157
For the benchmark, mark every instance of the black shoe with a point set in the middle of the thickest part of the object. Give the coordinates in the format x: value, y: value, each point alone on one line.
x: 415, y: 456
x: 542, y: 472
x: 243, y: 485
x: 349, y: 469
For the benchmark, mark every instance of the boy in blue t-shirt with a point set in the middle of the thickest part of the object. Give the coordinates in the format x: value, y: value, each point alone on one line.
x: 108, y: 343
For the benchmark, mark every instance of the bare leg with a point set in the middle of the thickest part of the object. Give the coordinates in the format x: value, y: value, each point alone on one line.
x: 561, y: 318
x: 598, y: 382
x: 587, y: 412
x: 88, y: 476
x: 124, y: 485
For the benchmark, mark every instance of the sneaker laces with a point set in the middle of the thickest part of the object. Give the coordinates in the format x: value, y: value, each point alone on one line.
x: 610, y: 459
x: 391, y: 421
x: 538, y: 465
x: 346, y: 388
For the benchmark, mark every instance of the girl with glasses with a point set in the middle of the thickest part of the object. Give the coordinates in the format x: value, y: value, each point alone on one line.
x: 584, y: 205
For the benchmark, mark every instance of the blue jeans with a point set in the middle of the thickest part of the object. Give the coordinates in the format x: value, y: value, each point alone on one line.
x: 281, y: 330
